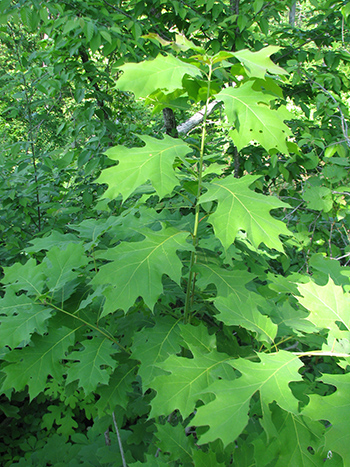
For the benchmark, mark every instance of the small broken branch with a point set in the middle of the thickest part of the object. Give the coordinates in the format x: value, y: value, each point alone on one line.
x: 196, y: 119
x: 119, y: 441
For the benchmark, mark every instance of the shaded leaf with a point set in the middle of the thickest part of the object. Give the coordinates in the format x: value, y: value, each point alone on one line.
x: 29, y: 277
x: 55, y: 238
x: 22, y: 318
x: 226, y: 281
x: 154, y: 345
x: 173, y: 440
x: 244, y: 311
x: 297, y: 443
x: 136, y: 269
x: 324, y: 268
x: 90, y: 364
x: 62, y: 265
x: 116, y: 391
x: 32, y: 365
x: 291, y: 320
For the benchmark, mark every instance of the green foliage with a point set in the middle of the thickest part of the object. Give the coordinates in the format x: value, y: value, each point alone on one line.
x: 197, y: 305
x: 239, y: 208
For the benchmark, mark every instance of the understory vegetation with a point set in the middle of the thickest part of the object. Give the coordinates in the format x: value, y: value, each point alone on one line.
x: 174, y: 233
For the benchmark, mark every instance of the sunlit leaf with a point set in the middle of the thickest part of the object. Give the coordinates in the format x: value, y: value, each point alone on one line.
x: 153, y: 162
x: 249, y: 111
x: 164, y: 72
x: 240, y: 208
x: 227, y: 415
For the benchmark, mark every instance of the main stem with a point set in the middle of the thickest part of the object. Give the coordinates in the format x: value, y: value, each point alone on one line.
x: 191, y: 276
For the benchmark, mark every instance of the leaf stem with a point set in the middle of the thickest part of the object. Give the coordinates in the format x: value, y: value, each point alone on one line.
x: 191, y: 276
x: 101, y: 331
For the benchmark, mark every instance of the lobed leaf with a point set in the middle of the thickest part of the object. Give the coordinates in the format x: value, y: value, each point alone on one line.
x: 226, y: 281
x: 136, y: 269
x: 153, y: 162
x: 164, y: 72
x: 298, y: 441
x: 259, y: 63
x: 90, y: 364
x: 328, y: 306
x: 22, y: 318
x: 334, y: 408
x: 249, y: 111
x: 244, y: 311
x: 173, y: 440
x: 227, y: 415
x: 63, y: 264
x: 152, y: 346
x: 116, y: 391
x: 32, y: 365
x: 240, y: 208
x: 187, y: 378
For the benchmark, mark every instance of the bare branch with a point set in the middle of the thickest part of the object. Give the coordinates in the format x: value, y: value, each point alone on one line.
x: 196, y: 119
x: 119, y: 441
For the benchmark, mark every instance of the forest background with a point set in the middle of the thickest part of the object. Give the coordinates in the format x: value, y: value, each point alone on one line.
x: 174, y: 292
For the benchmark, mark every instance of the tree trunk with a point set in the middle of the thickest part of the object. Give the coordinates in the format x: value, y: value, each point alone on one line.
x: 170, y: 122
x: 292, y: 12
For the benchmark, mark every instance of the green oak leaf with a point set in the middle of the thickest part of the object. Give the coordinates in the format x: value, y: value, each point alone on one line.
x: 226, y: 281
x: 257, y: 64
x: 91, y: 362
x: 327, y: 305
x: 206, y: 459
x: 164, y: 72
x: 249, y: 111
x: 295, y: 435
x: 93, y: 229
x: 240, y: 208
x: 62, y: 418
x: 116, y: 391
x: 154, y: 345
x: 136, y: 269
x: 291, y: 320
x: 63, y: 264
x: 187, y: 378
x: 324, y: 268
x: 336, y: 409
x: 173, y: 440
x: 32, y: 365
x: 22, y: 318
x: 198, y: 336
x: 227, y: 415
x: 29, y: 277
x: 55, y: 238
x: 151, y: 461
x: 244, y: 311
x: 153, y: 162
